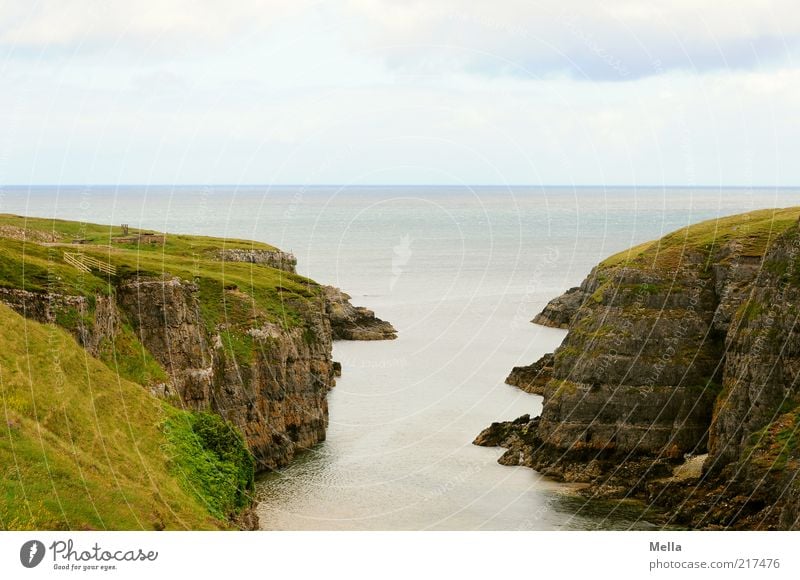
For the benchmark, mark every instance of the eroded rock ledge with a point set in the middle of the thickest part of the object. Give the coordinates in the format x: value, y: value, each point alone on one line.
x: 681, y: 348
x: 350, y: 322
x: 272, y: 258
x: 559, y: 312
x: 533, y: 378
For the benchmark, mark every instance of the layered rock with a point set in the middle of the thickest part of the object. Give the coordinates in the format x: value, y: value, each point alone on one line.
x: 517, y: 437
x: 274, y: 391
x: 272, y: 258
x: 680, y: 347
x: 350, y: 322
x: 636, y: 371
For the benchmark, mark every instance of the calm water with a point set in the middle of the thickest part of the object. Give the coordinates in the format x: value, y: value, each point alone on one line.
x: 459, y: 272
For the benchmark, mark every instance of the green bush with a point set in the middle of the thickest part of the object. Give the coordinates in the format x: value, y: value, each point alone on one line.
x: 210, y: 458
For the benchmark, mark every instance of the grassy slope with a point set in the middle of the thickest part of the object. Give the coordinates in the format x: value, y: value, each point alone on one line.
x: 753, y: 231
x: 80, y: 447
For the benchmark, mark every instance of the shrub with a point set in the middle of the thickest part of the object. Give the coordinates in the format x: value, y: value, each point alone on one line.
x: 210, y: 458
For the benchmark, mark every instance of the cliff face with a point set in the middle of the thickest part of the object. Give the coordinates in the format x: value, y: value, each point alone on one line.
x: 560, y: 311
x: 637, y: 371
x: 676, y: 349
x: 274, y: 390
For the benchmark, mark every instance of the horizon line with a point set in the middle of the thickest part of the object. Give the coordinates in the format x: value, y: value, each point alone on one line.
x: 354, y: 185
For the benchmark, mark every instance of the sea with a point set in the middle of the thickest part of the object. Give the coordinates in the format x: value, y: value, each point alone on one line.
x: 459, y: 271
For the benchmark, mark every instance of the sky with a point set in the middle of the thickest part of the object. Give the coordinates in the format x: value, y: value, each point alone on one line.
x: 560, y: 92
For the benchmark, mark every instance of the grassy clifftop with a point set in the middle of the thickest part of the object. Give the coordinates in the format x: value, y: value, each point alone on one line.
x: 32, y: 258
x: 753, y: 232
x: 82, y: 448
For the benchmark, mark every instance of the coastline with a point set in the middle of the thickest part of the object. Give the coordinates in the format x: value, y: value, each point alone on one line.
x: 213, y: 327
x: 650, y: 395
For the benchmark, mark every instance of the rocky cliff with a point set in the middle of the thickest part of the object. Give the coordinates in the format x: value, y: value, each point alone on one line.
x: 269, y: 380
x: 207, y: 324
x: 681, y: 352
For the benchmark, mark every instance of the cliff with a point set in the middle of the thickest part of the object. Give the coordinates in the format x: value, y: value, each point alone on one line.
x: 680, y: 352
x: 207, y: 325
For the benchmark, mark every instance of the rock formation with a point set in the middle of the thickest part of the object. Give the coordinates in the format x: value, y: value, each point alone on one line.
x: 679, y: 348
x: 350, y: 322
x: 560, y: 310
x: 272, y: 258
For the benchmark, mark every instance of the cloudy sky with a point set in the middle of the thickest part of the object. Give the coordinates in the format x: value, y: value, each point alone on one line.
x: 400, y: 91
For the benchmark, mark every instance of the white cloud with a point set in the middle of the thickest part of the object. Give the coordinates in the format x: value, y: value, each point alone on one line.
x: 614, y: 40
x: 620, y: 39
x: 54, y: 23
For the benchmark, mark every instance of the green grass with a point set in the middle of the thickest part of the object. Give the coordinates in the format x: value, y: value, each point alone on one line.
x: 83, y: 448
x: 753, y: 232
x: 88, y: 448
x: 97, y: 234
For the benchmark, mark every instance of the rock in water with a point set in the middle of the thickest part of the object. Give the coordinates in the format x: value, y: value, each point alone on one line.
x: 350, y: 322
x: 533, y: 378
x: 517, y: 437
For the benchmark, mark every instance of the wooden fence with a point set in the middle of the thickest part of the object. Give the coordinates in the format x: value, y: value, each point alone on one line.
x: 86, y: 263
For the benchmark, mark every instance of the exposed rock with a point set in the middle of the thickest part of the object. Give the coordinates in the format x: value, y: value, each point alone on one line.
x: 165, y: 314
x: 90, y: 321
x: 561, y: 310
x: 247, y: 520
x: 354, y: 322
x: 278, y: 399
x: 517, y: 437
x: 262, y: 360
x: 42, y: 307
x: 533, y: 378
x: 274, y: 390
x: 678, y: 348
x: 272, y: 258
x: 635, y: 374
